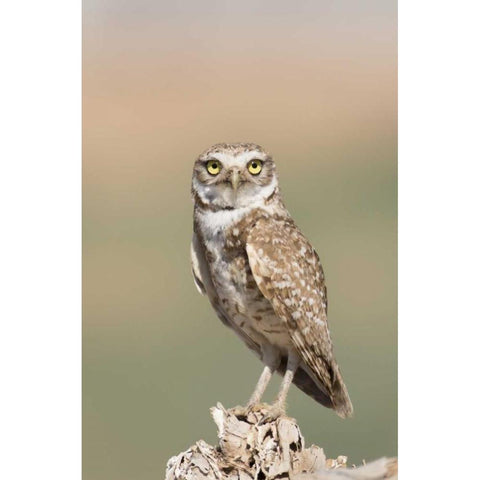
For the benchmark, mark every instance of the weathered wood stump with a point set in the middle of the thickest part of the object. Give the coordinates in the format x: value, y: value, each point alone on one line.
x: 253, y: 447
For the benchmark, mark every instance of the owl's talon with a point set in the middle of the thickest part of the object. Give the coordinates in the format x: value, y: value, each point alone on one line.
x: 258, y: 412
x: 239, y: 411
x: 245, y: 411
x: 261, y: 413
x: 273, y: 413
x: 258, y: 407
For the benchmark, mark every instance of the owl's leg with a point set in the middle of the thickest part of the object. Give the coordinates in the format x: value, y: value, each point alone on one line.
x: 278, y: 408
x: 271, y: 358
x: 292, y: 365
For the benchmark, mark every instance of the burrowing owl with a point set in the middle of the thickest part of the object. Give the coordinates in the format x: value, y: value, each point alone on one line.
x: 261, y: 275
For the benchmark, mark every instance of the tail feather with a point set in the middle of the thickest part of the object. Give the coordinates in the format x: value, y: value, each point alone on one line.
x: 341, y: 400
x: 338, y: 399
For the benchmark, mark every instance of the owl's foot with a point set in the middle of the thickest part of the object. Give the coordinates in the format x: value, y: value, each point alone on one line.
x: 239, y: 411
x: 258, y: 407
x: 271, y: 413
x: 259, y: 413
x: 243, y: 412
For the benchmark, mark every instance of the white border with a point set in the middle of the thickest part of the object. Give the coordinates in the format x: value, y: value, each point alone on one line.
x: 40, y: 254
x: 439, y: 241
x: 40, y: 205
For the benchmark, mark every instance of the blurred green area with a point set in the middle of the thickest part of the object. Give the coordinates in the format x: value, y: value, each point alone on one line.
x: 155, y: 357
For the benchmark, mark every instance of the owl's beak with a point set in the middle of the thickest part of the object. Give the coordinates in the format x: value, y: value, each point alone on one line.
x: 235, y: 179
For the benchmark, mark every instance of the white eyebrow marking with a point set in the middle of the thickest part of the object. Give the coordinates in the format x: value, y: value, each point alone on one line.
x: 241, y: 159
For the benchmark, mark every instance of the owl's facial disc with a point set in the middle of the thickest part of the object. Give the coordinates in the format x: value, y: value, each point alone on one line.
x: 233, y: 176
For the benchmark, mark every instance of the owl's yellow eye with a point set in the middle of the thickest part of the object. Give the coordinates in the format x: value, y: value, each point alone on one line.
x: 213, y: 167
x: 254, y: 167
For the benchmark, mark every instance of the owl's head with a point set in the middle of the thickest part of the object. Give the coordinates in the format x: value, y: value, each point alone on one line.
x: 233, y: 175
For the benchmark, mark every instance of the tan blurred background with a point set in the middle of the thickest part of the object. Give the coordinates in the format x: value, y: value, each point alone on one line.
x: 314, y: 82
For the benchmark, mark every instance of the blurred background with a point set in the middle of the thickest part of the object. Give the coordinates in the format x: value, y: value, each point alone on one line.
x: 312, y: 81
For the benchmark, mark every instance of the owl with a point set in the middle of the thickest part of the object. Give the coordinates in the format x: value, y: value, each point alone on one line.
x: 261, y: 275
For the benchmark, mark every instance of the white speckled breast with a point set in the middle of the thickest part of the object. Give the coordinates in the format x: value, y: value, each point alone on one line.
x: 236, y: 293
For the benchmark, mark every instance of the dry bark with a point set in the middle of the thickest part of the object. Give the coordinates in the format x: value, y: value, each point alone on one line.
x: 253, y: 447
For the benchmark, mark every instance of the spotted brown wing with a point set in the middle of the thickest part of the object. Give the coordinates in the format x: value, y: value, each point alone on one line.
x: 288, y: 272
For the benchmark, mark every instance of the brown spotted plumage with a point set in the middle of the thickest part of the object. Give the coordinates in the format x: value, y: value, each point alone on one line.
x: 262, y: 276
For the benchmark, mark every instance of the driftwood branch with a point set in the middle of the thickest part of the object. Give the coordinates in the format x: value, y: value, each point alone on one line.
x: 252, y: 448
